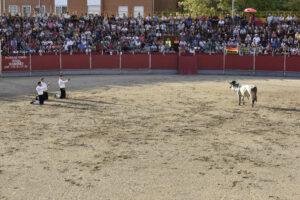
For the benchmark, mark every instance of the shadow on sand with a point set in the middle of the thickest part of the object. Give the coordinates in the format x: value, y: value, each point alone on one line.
x: 283, y: 109
x: 79, y: 104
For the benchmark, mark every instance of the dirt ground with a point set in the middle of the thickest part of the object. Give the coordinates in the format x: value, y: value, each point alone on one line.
x: 154, y: 137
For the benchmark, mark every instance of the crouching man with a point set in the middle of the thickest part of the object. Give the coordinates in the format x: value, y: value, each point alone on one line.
x: 45, y: 86
x: 40, y: 91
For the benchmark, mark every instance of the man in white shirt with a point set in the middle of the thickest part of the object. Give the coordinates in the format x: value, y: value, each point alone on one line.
x: 270, y: 18
x: 67, y: 16
x: 40, y: 91
x: 45, y: 86
x: 256, y: 39
x: 62, y: 86
x: 68, y: 43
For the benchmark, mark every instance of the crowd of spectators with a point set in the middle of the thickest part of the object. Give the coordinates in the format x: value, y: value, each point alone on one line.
x: 167, y: 34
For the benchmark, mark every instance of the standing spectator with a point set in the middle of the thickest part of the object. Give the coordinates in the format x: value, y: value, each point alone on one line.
x: 270, y: 19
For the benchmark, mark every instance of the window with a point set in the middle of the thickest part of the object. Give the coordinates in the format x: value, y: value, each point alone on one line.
x: 41, y: 10
x: 61, y: 6
x: 123, y: 10
x: 94, y: 9
x: 61, y: 2
x: 26, y: 10
x: 138, y: 10
x: 13, y: 10
x: 61, y: 10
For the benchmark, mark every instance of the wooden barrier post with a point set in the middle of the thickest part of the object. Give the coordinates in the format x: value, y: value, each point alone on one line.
x: 30, y: 66
x: 254, y: 54
x: 149, y: 55
x: 90, y: 61
x: 224, y: 59
x: 60, y: 62
x: 0, y: 58
x: 121, y: 62
x: 284, y: 64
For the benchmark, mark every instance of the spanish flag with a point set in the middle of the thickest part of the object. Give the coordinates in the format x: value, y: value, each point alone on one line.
x: 232, y: 50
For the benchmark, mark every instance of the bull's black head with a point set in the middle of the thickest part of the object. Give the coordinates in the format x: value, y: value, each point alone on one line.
x: 233, y: 84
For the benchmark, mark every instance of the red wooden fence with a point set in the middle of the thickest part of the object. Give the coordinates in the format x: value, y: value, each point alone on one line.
x: 45, y: 62
x: 157, y: 61
x: 100, y: 61
x: 210, y: 62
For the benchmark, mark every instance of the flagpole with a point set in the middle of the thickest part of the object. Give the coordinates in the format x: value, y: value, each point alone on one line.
x: 232, y: 8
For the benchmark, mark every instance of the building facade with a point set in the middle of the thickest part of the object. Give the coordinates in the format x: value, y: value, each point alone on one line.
x: 109, y: 7
x: 127, y: 7
x: 26, y: 7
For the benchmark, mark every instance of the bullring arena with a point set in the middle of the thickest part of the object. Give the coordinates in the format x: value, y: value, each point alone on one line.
x: 156, y: 137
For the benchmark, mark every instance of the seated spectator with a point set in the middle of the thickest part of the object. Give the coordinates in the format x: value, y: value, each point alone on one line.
x: 111, y: 34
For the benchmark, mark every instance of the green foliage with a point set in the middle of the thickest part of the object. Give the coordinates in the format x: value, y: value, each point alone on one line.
x: 211, y: 6
x: 293, y: 5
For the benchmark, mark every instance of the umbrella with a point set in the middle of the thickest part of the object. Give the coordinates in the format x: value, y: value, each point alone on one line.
x: 249, y: 10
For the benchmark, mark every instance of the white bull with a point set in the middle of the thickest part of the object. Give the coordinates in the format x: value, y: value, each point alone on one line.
x: 244, y: 91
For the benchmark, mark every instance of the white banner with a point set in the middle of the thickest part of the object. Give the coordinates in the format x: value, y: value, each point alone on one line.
x: 15, y: 62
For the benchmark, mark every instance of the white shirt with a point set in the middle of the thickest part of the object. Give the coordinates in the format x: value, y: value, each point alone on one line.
x: 61, y: 83
x: 270, y: 18
x: 44, y: 85
x: 67, y: 16
x: 40, y: 90
x: 256, y: 39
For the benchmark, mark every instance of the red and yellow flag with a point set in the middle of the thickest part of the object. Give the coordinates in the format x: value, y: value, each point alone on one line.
x: 231, y: 50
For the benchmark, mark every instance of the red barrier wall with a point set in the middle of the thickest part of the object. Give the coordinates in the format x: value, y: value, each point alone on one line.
x: 75, y: 61
x: 45, y: 62
x: 293, y: 63
x: 236, y: 62
x: 136, y: 61
x: 164, y: 62
x: 100, y: 61
x: 15, y: 63
x: 210, y: 62
x: 269, y: 63
x: 187, y: 64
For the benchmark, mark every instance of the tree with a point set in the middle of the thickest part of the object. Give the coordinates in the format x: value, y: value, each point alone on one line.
x: 200, y: 6
x: 293, y: 5
x: 211, y: 6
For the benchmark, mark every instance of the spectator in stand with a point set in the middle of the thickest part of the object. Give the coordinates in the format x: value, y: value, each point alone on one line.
x: 112, y: 34
x: 270, y: 19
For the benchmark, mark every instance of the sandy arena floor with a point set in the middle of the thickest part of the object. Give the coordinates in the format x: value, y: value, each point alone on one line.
x: 150, y: 137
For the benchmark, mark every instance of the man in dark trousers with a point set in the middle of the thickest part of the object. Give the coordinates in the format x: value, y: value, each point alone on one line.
x: 62, y: 86
x: 45, y: 86
x: 40, y: 91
